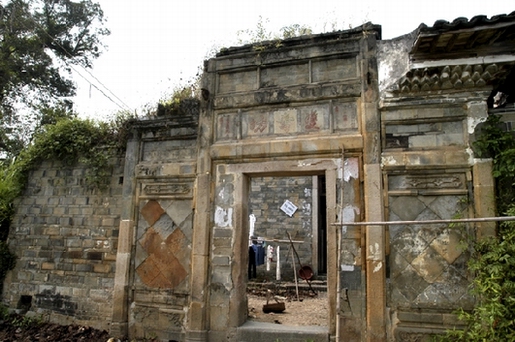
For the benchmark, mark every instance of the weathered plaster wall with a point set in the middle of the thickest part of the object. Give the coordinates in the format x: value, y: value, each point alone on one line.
x: 393, y: 59
x: 65, y: 236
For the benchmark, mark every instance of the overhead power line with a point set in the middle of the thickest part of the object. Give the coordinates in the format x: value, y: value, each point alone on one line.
x: 121, y: 103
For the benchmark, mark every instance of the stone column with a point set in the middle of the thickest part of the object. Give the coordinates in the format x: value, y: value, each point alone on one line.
x: 197, y: 320
x: 196, y: 328
x: 373, y: 195
x: 119, y: 322
x: 375, y: 256
x: 484, y: 196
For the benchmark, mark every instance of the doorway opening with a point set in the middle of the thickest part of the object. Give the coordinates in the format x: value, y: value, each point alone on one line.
x: 280, y: 208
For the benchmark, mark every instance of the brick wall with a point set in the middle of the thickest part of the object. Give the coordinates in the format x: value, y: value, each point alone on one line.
x: 65, y: 237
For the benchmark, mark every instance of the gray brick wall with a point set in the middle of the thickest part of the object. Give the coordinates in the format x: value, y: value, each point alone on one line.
x: 65, y: 236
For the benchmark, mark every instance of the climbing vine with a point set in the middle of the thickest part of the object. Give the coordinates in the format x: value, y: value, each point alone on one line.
x: 497, y: 143
x: 493, y: 264
x: 71, y: 141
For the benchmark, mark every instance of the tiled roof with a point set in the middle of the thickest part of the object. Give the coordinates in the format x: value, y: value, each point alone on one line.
x: 460, y: 38
x: 463, y: 23
x: 450, y: 77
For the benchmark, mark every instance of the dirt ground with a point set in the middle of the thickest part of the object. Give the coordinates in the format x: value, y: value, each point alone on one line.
x: 15, y: 330
x: 311, y: 310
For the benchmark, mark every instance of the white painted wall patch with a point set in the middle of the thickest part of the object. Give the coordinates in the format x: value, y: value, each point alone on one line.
x: 223, y: 217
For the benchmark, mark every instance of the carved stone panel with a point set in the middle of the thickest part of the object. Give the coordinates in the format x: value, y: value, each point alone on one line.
x: 442, y: 181
x: 172, y: 188
x: 314, y: 119
x: 345, y: 116
x: 256, y: 123
x: 227, y: 126
x: 285, y: 75
x: 168, y: 151
x: 285, y: 121
x: 334, y: 69
x: 237, y: 81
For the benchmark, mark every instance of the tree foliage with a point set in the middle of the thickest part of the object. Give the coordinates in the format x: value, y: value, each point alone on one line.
x: 40, y: 41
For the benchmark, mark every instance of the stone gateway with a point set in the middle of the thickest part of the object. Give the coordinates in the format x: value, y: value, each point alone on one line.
x: 302, y: 137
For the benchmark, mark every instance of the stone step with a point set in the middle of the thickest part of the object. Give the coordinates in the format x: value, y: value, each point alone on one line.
x: 259, y: 332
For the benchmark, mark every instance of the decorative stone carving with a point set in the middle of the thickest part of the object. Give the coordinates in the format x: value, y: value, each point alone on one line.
x: 425, y: 182
x: 405, y: 336
x: 167, y: 189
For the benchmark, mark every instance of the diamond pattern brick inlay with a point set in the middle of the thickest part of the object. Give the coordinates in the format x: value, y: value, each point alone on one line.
x: 164, y: 226
x: 162, y: 268
x: 447, y: 245
x: 410, y: 284
x: 430, y: 265
x: 179, y: 211
x: 409, y: 244
x: 426, y: 261
x: 178, y: 243
x: 152, y: 211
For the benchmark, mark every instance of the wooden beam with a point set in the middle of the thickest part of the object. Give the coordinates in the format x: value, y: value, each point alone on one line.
x: 451, y: 42
x: 497, y: 36
x: 472, y: 39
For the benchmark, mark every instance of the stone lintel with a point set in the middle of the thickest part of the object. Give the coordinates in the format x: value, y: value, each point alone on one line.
x: 274, y: 96
x: 286, y: 147
x: 434, y: 159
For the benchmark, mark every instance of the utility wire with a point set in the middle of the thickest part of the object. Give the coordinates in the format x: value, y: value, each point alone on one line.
x: 78, y: 73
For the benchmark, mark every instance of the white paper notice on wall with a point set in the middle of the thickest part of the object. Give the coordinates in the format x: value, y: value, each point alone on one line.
x: 289, y: 208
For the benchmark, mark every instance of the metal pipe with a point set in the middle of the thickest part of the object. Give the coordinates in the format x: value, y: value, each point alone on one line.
x: 393, y: 223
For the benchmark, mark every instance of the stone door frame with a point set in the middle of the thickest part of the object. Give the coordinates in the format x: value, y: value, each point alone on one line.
x: 243, y: 173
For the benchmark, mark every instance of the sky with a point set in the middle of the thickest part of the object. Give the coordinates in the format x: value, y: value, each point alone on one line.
x: 156, y: 46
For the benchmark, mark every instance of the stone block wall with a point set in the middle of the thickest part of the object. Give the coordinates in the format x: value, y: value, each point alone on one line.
x: 65, y: 235
x: 267, y: 195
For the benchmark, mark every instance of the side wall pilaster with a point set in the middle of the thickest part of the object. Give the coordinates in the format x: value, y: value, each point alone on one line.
x: 119, y: 323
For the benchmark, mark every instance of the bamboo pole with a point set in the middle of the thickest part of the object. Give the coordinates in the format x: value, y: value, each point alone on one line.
x: 295, y: 274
